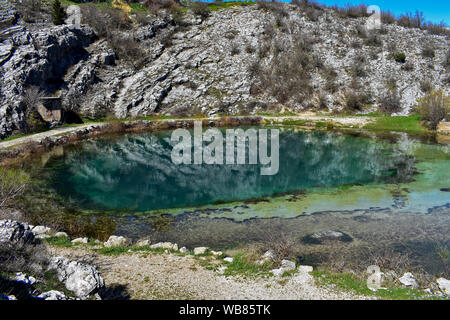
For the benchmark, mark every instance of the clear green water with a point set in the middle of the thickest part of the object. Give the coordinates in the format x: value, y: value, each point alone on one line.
x: 135, y: 172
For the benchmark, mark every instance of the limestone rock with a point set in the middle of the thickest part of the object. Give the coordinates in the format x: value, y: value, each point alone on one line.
x: 61, y: 234
x: 80, y: 241
x: 287, y: 265
x: 117, y: 241
x: 143, y: 243
x: 408, y: 280
x: 183, y: 250
x: 53, y: 295
x: 444, y: 285
x: 82, y: 279
x: 164, y: 245
x: 37, y: 230
x: 200, y: 250
x: 15, y: 232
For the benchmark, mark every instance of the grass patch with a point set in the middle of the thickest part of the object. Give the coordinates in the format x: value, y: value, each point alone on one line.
x: 241, y: 265
x: 409, y: 124
x: 59, y: 242
x: 351, y: 282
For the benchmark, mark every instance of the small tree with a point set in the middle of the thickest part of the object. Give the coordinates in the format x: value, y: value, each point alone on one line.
x: 12, y: 185
x: 30, y: 101
x: 434, y: 108
x: 58, y: 13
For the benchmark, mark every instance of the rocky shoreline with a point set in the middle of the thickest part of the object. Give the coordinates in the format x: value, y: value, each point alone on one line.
x: 84, y: 281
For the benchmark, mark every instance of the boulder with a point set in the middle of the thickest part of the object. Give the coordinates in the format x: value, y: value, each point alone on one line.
x: 164, y: 245
x: 183, y: 250
x: 287, y: 265
x: 37, y: 230
x: 408, y: 280
x: 143, y: 243
x: 200, y: 250
x: 228, y: 259
x: 216, y: 253
x: 80, y: 240
x: 269, y: 256
x: 61, y: 234
x: 22, y: 277
x: 117, y: 241
x: 15, y: 232
x: 82, y: 279
x: 305, y: 269
x: 53, y: 295
x: 444, y: 285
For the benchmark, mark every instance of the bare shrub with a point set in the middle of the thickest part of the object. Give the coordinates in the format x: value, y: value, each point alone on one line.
x: 389, y: 260
x: 428, y: 51
x: 127, y: 48
x: 234, y: 49
x: 13, y: 183
x: 30, y: 100
x: 356, y: 101
x: 426, y: 86
x: 28, y: 258
x: 390, y: 102
x: 447, y: 61
x: 104, y: 21
x: 351, y: 11
x: 374, y: 40
x: 282, y: 246
x: 30, y: 10
x: 387, y: 17
x: 201, y: 9
x: 154, y: 6
x: 288, y: 75
x: 434, y: 108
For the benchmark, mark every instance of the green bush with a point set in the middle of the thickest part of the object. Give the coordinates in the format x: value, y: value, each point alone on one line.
x: 58, y: 13
x: 400, y: 57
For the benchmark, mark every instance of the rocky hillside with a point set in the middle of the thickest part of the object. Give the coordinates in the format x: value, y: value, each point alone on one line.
x: 240, y: 59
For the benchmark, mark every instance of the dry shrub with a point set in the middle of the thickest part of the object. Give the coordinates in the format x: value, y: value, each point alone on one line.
x: 390, y: 102
x: 27, y: 258
x: 351, y: 11
x: 201, y: 9
x: 127, y: 48
x: 428, y: 51
x: 155, y: 5
x: 104, y: 21
x: 356, y: 101
x: 434, y: 108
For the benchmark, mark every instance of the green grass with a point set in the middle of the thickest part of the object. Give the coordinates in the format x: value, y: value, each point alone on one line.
x: 350, y: 282
x: 59, y: 242
x: 242, y: 266
x: 409, y: 124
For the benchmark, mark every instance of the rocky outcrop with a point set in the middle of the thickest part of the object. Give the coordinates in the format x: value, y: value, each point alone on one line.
x: 15, y: 232
x: 36, y: 58
x: 82, y: 279
x: 206, y: 67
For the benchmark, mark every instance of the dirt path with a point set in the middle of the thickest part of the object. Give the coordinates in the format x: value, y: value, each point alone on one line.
x: 166, y: 276
x: 348, y: 121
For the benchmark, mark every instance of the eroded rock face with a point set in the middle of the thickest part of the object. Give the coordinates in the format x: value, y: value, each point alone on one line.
x: 82, y: 279
x: 15, y: 232
x: 206, y: 67
x: 36, y: 58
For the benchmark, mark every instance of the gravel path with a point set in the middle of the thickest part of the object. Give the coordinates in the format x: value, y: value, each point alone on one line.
x: 166, y: 276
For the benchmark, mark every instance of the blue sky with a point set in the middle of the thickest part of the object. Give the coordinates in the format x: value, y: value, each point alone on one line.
x: 435, y: 11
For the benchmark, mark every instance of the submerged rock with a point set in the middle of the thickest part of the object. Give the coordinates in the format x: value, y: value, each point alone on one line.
x: 328, y: 235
